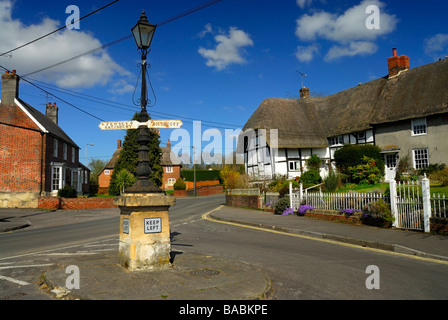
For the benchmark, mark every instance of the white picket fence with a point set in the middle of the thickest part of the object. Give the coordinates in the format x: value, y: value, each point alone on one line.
x: 411, y: 203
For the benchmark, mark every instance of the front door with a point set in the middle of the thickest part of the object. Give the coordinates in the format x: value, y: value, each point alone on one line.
x: 391, y: 165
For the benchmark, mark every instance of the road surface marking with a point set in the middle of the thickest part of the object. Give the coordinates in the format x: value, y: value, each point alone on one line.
x: 205, y: 216
x: 22, y: 283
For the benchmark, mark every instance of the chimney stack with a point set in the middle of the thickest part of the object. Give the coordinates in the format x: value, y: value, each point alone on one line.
x: 397, y: 64
x: 118, y: 144
x: 52, y: 112
x: 10, y: 87
x: 304, y: 93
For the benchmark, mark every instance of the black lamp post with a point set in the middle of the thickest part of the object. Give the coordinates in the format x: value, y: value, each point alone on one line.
x: 143, y: 33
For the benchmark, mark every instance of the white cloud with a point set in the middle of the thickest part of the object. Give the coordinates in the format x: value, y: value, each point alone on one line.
x: 228, y: 49
x: 87, y: 71
x: 306, y: 54
x: 436, y: 44
x: 348, y: 30
x: 352, y: 49
x: 303, y: 3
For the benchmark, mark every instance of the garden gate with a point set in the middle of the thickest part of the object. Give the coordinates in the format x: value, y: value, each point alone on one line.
x: 410, y: 204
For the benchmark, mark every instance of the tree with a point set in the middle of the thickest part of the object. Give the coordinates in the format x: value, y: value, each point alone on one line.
x: 352, y: 155
x: 128, y: 158
x: 95, y: 166
x: 124, y: 179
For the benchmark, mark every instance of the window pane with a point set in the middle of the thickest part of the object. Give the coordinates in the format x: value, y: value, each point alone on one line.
x: 421, y: 158
x: 419, y: 126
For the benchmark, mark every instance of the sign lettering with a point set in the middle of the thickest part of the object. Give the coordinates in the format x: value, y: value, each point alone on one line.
x: 124, y: 125
x: 153, y: 225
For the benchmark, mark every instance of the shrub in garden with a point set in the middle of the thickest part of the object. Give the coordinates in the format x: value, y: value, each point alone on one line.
x: 311, y: 178
x: 281, y: 205
x: 366, y: 173
x: 348, y: 212
x: 331, y: 182
x: 440, y: 176
x: 67, y: 192
x: 351, y: 155
x: 378, y: 214
x: 179, y: 184
x: 303, y: 208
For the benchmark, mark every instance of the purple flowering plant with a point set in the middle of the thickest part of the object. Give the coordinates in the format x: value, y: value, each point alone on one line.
x: 288, y: 212
x: 303, y: 208
x: 348, y: 212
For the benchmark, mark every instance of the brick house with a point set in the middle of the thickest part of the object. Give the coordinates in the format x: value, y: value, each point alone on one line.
x: 171, y: 172
x: 37, y: 158
x: 105, y: 174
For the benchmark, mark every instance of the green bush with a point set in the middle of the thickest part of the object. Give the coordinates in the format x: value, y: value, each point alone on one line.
x: 180, y: 184
x: 365, y: 173
x: 378, y: 214
x: 432, y: 168
x: 67, y: 192
x: 281, y: 205
x: 440, y: 176
x: 331, y: 182
x: 313, y: 163
x: 351, y: 156
x: 311, y: 177
x: 201, y: 175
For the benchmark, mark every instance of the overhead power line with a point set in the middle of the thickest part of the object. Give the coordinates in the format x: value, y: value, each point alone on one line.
x: 57, y: 30
x: 173, y: 18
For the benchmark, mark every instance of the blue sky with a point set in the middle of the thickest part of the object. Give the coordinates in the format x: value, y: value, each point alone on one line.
x: 215, y: 65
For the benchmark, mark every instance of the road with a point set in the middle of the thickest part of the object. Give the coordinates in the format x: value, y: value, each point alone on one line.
x: 299, y: 268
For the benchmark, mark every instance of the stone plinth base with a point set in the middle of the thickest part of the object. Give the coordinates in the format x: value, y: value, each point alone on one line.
x: 144, y: 231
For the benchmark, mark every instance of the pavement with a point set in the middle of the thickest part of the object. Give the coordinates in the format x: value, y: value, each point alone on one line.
x: 201, y: 277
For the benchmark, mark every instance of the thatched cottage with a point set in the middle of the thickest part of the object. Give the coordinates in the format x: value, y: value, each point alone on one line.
x: 405, y: 113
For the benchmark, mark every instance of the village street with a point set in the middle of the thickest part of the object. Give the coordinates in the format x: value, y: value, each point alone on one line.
x: 298, y: 268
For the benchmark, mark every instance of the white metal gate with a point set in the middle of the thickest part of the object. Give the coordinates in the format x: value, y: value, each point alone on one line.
x: 409, y: 206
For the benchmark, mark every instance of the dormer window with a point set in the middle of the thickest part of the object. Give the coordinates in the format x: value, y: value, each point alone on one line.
x: 334, y: 141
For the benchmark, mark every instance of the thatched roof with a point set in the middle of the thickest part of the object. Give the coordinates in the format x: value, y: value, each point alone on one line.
x: 113, y: 160
x: 308, y: 122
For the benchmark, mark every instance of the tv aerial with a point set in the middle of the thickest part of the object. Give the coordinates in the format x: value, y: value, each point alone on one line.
x: 303, y: 76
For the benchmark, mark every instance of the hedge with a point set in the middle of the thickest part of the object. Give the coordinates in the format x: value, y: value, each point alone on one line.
x: 201, y: 175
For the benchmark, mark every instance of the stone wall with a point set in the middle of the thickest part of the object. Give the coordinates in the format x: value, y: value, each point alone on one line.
x: 18, y: 199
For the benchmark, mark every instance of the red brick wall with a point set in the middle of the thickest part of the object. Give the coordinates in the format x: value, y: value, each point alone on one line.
x: 20, y: 152
x: 104, y: 179
x: 199, y: 184
x: 75, y: 203
x: 167, y: 175
x: 253, y: 202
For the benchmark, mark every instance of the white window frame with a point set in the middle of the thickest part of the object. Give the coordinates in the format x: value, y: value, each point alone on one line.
x: 296, y: 165
x: 171, y: 182
x: 336, y: 141
x: 419, y: 127
x: 361, y: 135
x: 107, y: 172
x: 169, y: 169
x: 419, y: 158
x: 56, y: 183
x: 73, y: 155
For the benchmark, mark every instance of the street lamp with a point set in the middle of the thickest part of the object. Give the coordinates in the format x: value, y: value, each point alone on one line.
x: 85, y: 156
x: 143, y: 33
